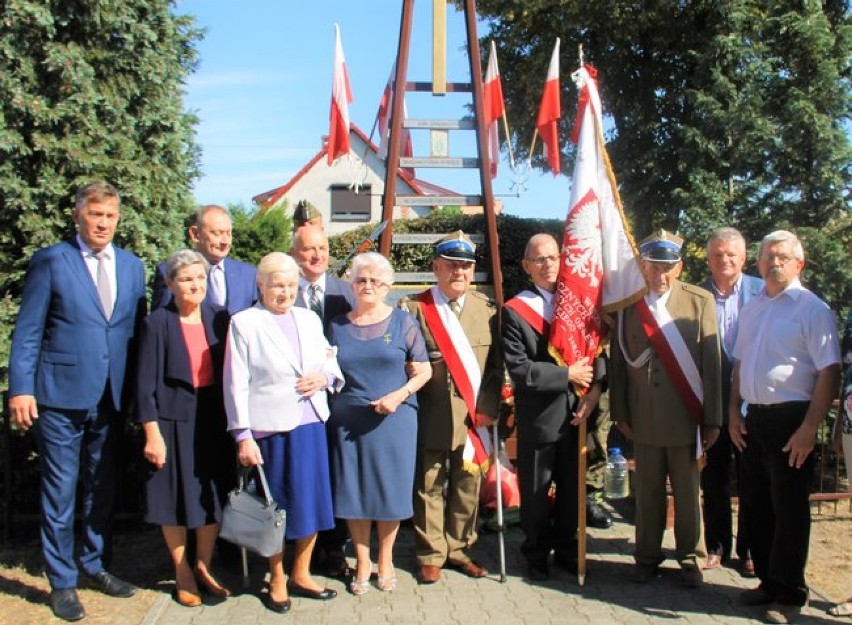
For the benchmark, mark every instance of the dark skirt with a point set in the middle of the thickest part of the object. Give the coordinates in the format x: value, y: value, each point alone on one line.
x: 296, y: 467
x: 200, y: 468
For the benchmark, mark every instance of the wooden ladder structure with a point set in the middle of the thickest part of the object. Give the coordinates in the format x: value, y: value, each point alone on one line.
x: 438, y: 87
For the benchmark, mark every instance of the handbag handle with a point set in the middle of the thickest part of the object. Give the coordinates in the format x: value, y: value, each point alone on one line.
x: 246, y: 471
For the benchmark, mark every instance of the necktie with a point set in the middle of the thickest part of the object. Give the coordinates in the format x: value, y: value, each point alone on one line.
x: 455, y: 306
x: 315, y: 299
x: 103, y: 285
x: 216, y: 285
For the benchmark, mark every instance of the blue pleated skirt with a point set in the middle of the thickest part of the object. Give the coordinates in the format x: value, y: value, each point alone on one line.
x: 296, y: 467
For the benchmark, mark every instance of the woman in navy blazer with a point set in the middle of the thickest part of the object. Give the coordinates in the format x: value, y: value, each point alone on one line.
x: 179, y: 390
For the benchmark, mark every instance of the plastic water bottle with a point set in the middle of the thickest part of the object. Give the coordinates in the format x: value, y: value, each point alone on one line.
x: 616, y: 476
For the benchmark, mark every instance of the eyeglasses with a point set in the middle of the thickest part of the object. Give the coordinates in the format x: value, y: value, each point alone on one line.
x: 372, y: 281
x: 542, y: 260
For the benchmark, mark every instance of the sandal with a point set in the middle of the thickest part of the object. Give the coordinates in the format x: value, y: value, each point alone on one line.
x: 841, y: 609
x: 386, y: 584
x: 359, y: 587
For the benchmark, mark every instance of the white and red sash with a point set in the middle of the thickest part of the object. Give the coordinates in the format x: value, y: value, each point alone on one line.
x: 530, y: 308
x: 463, y: 367
x: 672, y: 351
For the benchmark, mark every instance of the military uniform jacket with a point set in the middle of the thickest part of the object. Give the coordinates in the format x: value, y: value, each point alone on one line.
x: 645, y: 397
x: 443, y: 418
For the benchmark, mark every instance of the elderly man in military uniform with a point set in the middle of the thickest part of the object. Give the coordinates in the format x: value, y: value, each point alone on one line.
x: 665, y: 394
x: 456, y: 405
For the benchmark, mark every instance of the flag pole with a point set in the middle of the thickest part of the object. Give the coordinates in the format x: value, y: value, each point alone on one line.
x: 582, y: 450
x: 508, y: 139
x: 501, y: 530
x: 532, y: 145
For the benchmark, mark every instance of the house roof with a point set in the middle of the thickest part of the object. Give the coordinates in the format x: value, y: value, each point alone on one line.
x: 268, y: 198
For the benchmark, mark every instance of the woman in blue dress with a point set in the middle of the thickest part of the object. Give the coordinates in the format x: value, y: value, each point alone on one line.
x: 373, y: 424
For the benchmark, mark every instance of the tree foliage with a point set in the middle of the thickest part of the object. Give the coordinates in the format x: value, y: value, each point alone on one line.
x: 92, y: 89
x: 258, y: 233
x: 717, y: 113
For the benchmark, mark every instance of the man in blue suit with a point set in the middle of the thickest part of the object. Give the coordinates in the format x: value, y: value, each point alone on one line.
x: 328, y: 296
x: 731, y: 289
x: 82, y: 303
x: 231, y: 284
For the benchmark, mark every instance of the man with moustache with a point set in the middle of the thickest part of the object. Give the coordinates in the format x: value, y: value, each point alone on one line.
x: 82, y: 303
x: 328, y: 296
x: 665, y: 394
x: 231, y: 284
x: 786, y: 366
x: 547, y: 413
x: 462, y: 338
x: 731, y: 290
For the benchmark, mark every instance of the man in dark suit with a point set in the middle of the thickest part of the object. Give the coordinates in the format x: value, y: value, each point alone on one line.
x: 731, y: 289
x: 82, y: 303
x: 665, y: 389
x: 328, y: 296
x: 462, y: 399
x: 231, y: 284
x: 547, y: 411
x: 324, y: 293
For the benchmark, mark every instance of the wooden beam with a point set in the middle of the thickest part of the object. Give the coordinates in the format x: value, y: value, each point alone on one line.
x: 439, y: 47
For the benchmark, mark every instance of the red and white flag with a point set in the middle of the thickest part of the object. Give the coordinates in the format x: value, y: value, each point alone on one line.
x: 492, y: 97
x: 598, y: 271
x: 341, y: 97
x: 385, y: 106
x: 549, y: 112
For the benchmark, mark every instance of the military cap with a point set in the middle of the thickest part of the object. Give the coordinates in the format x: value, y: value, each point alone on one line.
x: 661, y: 247
x: 304, y: 212
x: 455, y: 246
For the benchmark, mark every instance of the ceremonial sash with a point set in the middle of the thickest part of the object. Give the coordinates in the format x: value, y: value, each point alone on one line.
x: 530, y: 308
x: 466, y: 380
x: 675, y: 356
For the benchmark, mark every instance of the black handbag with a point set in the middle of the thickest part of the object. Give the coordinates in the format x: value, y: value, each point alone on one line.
x: 251, y: 521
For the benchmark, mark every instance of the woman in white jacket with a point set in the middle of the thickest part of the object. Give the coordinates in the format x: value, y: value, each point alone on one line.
x: 278, y: 371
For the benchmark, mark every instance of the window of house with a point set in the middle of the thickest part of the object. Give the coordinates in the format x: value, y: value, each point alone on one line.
x: 346, y: 205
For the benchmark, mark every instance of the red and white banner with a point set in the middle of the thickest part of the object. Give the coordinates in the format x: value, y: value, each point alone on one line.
x: 384, y: 123
x: 341, y: 98
x: 492, y: 98
x: 549, y: 112
x: 599, y: 269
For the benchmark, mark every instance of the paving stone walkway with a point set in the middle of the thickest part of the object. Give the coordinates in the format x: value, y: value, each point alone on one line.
x: 608, y: 596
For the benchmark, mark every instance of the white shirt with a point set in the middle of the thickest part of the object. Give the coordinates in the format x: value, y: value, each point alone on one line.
x: 92, y: 265
x: 782, y: 344
x: 547, y: 296
x: 304, y: 285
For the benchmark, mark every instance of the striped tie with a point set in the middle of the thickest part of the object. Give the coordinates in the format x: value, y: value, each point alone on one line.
x: 103, y: 285
x: 315, y: 299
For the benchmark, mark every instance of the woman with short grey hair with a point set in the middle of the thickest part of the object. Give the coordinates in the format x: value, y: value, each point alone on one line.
x: 179, y: 396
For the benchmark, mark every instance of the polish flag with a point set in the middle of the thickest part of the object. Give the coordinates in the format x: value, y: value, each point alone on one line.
x: 598, y: 270
x: 385, y: 105
x: 549, y: 113
x: 492, y: 96
x: 341, y: 97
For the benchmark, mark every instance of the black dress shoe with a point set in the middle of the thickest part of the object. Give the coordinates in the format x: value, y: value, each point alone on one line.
x: 300, y: 591
x: 566, y: 563
x: 110, y: 585
x: 538, y: 572
x: 281, y: 607
x: 66, y: 604
x: 596, y: 515
x: 336, y: 565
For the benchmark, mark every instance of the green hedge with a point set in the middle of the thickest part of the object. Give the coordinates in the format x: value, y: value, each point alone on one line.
x: 513, y: 234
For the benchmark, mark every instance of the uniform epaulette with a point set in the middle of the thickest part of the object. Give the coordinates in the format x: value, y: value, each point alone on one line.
x: 695, y: 289
x: 488, y: 300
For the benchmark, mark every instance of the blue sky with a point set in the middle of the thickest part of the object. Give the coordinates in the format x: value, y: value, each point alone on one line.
x: 263, y: 87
